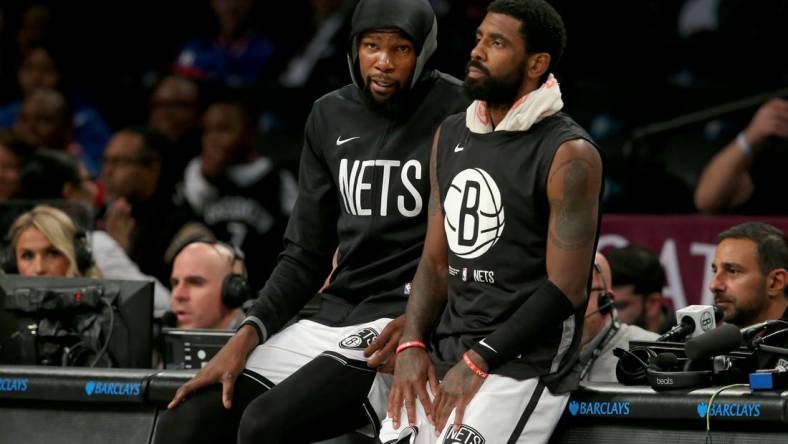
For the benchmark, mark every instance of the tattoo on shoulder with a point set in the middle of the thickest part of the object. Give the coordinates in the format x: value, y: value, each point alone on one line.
x: 574, y: 222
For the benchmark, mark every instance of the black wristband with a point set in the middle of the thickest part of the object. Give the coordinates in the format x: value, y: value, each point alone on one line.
x: 547, y: 307
x: 258, y: 326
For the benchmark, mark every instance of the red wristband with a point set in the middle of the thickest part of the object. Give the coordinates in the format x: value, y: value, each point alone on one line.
x: 474, y: 368
x: 410, y: 344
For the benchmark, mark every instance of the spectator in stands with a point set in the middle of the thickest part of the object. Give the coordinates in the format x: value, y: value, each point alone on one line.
x: 44, y: 120
x: 41, y: 68
x: 13, y: 154
x: 745, y: 175
x: 174, y: 111
x: 51, y: 174
x: 750, y: 282
x: 141, y: 216
x: 638, y: 279
x: 242, y: 197
x: 46, y: 242
x: 603, y: 331
x: 54, y: 176
x: 236, y: 57
x: 203, y: 292
x: 316, y: 66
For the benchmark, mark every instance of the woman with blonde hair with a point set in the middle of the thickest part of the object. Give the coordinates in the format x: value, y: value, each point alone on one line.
x: 46, y: 242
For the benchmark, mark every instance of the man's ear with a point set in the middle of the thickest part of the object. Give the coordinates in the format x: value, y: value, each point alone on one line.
x: 538, y: 64
x: 776, y: 281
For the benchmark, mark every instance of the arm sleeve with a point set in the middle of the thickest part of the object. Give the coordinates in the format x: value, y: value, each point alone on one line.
x: 310, y: 241
x: 545, y: 309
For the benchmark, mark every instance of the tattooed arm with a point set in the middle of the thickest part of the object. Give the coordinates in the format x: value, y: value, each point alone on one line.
x: 414, y: 369
x: 429, y: 292
x: 573, y: 187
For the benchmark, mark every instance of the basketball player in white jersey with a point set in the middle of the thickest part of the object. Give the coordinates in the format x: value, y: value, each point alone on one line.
x: 494, y: 321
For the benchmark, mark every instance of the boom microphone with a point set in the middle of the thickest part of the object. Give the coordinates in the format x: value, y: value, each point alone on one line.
x: 694, y: 320
x: 716, y: 342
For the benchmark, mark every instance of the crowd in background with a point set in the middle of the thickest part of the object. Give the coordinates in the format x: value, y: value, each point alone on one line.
x: 168, y: 122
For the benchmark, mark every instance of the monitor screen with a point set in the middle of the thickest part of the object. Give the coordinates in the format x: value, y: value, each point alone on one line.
x: 192, y: 348
x: 75, y: 322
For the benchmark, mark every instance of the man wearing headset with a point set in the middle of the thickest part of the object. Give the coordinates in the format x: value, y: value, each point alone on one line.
x: 208, y: 286
x: 602, y: 331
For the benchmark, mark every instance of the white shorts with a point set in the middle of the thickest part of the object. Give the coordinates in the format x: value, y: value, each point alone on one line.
x: 504, y: 410
x: 290, y: 349
x: 300, y: 343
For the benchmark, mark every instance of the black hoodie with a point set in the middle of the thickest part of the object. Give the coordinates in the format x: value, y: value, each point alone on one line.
x: 363, y: 187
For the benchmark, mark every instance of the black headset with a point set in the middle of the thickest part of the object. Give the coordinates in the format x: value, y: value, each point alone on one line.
x: 83, y: 255
x: 605, y: 305
x: 662, y: 371
x: 604, y: 300
x: 235, y: 287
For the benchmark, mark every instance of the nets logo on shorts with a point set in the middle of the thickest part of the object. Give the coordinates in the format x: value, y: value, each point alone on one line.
x: 474, y: 213
x: 465, y: 435
x: 359, y: 340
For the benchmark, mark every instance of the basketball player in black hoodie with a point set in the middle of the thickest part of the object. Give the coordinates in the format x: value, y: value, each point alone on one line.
x: 512, y: 230
x: 363, y: 186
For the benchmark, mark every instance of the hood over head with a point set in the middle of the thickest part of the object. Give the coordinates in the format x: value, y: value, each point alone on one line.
x: 415, y: 18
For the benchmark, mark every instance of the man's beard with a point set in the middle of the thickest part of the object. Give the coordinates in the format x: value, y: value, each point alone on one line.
x: 745, y: 315
x: 494, y: 90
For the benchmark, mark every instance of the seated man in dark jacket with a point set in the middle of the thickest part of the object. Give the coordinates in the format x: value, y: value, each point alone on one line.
x: 363, y: 189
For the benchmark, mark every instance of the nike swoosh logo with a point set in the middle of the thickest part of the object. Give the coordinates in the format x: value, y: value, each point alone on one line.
x: 342, y: 142
x: 458, y: 148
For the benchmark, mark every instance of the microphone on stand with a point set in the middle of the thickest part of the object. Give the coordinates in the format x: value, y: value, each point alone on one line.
x: 694, y: 320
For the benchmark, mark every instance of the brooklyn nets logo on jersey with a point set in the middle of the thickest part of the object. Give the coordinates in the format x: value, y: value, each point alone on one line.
x: 465, y: 435
x: 474, y: 213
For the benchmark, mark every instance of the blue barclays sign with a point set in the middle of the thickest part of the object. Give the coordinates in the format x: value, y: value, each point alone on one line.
x: 599, y: 408
x: 11, y: 385
x: 112, y: 388
x: 730, y: 409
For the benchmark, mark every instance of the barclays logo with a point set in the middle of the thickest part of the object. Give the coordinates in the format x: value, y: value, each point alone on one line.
x: 11, y: 385
x: 601, y: 408
x: 730, y: 409
x: 112, y: 388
